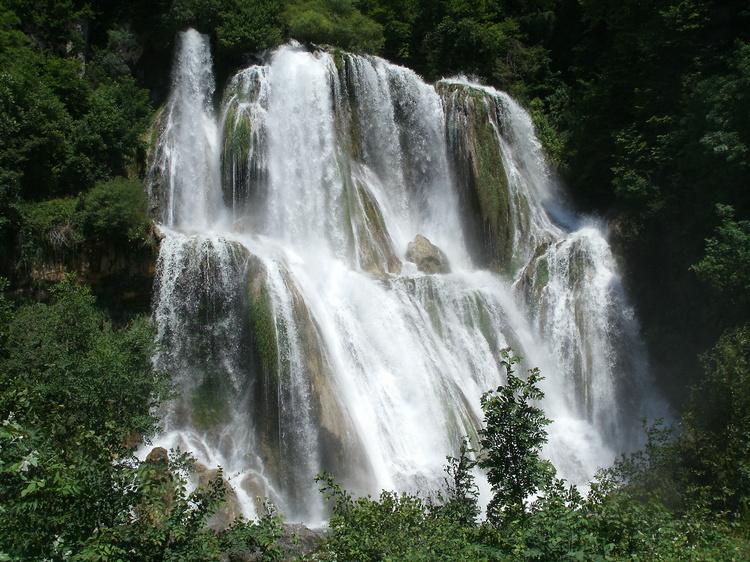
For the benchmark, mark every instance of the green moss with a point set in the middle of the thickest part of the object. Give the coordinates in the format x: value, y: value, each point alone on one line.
x: 338, y: 59
x: 432, y: 312
x: 238, y: 137
x: 490, y: 181
x: 491, y: 184
x: 209, y: 402
x: 577, y: 267
x: 375, y: 248
x: 541, y: 274
x: 477, y: 316
x: 264, y: 330
x: 485, y: 323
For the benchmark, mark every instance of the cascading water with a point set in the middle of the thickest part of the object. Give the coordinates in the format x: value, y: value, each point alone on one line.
x: 299, y: 332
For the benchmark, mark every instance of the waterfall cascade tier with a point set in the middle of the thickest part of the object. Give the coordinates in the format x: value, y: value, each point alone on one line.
x: 301, y: 336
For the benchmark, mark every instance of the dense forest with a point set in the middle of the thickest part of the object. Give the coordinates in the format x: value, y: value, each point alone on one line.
x: 644, y: 109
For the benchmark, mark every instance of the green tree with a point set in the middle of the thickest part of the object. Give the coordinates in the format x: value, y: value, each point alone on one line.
x: 77, y: 396
x: 511, y: 442
x: 461, y: 498
x: 115, y: 210
x: 716, y: 441
x: 334, y: 22
x: 248, y: 26
x: 726, y: 265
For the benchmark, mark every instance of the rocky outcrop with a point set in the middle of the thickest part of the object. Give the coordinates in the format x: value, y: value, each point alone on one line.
x: 428, y: 257
x: 276, y: 335
x: 373, y: 243
x: 473, y: 123
x: 230, y: 510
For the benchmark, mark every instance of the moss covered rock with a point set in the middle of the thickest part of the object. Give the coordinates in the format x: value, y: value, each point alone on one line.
x: 473, y: 124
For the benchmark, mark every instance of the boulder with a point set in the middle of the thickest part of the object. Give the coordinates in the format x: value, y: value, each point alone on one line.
x: 428, y: 257
x: 299, y: 542
x: 158, y: 454
x: 230, y: 510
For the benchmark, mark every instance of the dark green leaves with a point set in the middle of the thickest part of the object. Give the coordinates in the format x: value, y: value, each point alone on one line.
x: 337, y: 23
x: 511, y: 441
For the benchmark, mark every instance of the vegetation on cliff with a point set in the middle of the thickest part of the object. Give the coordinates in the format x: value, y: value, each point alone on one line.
x: 670, y: 501
x: 77, y: 398
x: 644, y: 109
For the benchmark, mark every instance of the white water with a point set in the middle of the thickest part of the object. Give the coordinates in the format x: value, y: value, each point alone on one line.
x: 300, y: 193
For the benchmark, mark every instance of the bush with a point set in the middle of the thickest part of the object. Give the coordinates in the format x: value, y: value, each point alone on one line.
x: 116, y: 210
x: 336, y: 23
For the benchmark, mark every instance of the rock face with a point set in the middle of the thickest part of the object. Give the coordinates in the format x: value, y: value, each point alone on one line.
x: 474, y: 118
x: 231, y: 510
x: 428, y: 257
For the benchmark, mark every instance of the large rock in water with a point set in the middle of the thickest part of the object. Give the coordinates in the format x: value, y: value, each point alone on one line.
x: 230, y: 511
x: 428, y: 257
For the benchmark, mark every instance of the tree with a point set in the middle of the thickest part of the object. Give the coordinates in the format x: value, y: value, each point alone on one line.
x: 716, y: 441
x: 511, y: 441
x: 391, y: 527
x: 77, y: 396
x: 334, y: 22
x: 461, y: 500
x: 726, y: 264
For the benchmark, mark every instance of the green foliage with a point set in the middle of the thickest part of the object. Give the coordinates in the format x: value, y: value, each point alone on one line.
x: 62, y: 129
x: 511, y: 442
x: 34, y: 120
x: 461, y: 498
x: 261, y: 536
x: 48, y: 230
x: 76, y: 370
x: 109, y: 135
x: 241, y: 26
x: 393, y: 527
x: 481, y: 44
x: 334, y: 22
x: 248, y: 26
x: 56, y: 25
x: 116, y: 210
x: 76, y: 397
x: 726, y: 264
x: 112, y: 213
x: 716, y: 442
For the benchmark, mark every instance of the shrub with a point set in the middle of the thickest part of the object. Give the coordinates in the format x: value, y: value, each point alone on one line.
x: 116, y: 210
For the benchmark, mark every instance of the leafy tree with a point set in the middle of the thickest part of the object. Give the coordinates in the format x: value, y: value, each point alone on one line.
x: 116, y: 210
x: 77, y: 370
x: 716, y: 441
x: 76, y: 398
x: 511, y: 441
x: 58, y: 26
x: 241, y: 26
x: 726, y: 265
x: 461, y: 499
x: 334, y: 22
x: 248, y: 26
x: 47, y: 231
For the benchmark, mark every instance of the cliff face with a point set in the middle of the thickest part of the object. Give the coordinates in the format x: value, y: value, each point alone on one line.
x: 120, y: 275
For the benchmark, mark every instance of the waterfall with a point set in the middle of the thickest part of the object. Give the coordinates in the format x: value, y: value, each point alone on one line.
x: 301, y: 330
